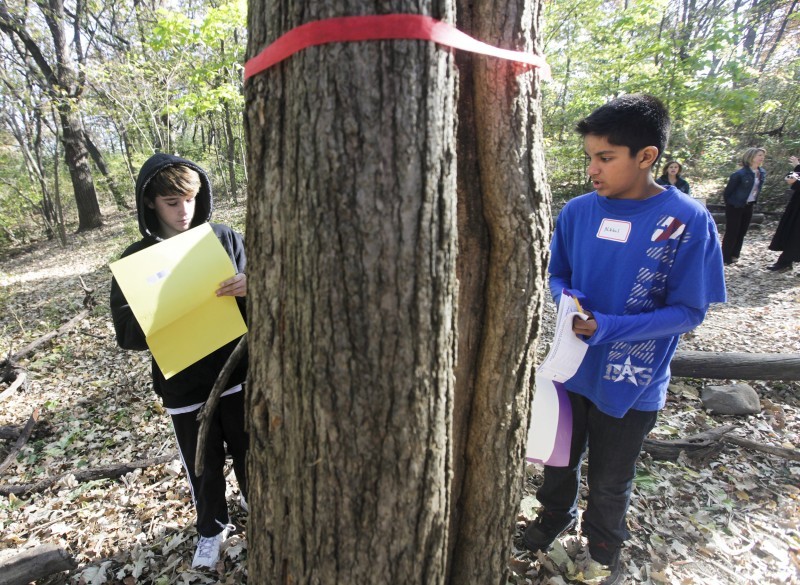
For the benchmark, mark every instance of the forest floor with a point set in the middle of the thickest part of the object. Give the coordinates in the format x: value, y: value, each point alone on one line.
x: 729, y: 518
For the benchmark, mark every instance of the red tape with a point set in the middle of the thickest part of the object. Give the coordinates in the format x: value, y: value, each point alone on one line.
x: 376, y: 28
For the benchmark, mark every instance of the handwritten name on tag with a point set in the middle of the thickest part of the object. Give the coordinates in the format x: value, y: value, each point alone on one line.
x: 614, y: 229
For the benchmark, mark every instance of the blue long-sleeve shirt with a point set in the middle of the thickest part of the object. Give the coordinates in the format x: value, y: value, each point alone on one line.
x: 648, y: 270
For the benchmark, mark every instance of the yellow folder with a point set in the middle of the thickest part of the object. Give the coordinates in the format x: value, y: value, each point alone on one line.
x: 171, y: 289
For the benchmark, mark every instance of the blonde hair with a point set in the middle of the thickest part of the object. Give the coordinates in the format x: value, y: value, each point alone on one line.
x: 174, y: 180
x: 749, y: 154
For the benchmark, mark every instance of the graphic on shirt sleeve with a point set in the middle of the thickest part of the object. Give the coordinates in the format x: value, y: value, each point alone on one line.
x: 668, y: 228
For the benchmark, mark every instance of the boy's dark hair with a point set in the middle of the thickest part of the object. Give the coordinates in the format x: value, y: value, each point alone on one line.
x: 173, y: 180
x: 634, y: 120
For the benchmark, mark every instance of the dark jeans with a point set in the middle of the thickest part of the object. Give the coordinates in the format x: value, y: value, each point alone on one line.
x: 614, y: 445
x: 226, y: 431
x: 737, y: 221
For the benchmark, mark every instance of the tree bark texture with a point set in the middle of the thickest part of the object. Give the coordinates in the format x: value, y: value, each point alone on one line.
x: 352, y: 292
x: 515, y: 199
x: 76, y: 157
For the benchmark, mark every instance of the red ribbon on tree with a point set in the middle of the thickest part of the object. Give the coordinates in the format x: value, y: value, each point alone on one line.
x: 379, y: 28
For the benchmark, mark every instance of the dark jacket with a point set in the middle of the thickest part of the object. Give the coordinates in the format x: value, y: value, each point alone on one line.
x: 787, y: 236
x: 680, y: 183
x: 192, y: 385
x: 740, y: 184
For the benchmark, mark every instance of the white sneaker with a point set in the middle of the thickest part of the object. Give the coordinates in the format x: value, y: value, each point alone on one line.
x: 243, y: 504
x: 207, y: 553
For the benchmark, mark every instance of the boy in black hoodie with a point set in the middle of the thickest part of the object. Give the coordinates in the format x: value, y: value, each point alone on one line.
x: 172, y: 196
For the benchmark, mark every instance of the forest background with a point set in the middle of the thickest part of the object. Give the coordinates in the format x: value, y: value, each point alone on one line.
x: 90, y: 89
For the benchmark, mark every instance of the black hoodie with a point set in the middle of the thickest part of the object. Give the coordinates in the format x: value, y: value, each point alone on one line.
x: 192, y: 385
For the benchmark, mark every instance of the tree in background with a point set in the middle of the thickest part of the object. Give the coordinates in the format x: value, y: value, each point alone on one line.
x: 57, y: 68
x: 727, y: 69
x: 24, y: 113
x: 388, y: 405
x: 190, y: 61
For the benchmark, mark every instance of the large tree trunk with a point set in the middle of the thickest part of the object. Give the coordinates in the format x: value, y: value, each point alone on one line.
x: 375, y: 458
x: 351, y: 252
x: 516, y: 202
x: 76, y: 157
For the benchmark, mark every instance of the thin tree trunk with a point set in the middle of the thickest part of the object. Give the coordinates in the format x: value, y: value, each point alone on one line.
x: 351, y: 275
x: 220, y: 170
x: 230, y: 143
x: 124, y: 138
x: 62, y: 229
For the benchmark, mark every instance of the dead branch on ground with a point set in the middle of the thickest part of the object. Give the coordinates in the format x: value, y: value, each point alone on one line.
x: 44, y: 339
x: 709, y: 442
x: 103, y: 472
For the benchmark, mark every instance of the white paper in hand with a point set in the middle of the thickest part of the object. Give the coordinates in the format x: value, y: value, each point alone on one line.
x: 568, y: 350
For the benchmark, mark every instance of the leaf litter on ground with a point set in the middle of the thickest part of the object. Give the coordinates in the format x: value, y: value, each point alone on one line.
x: 729, y: 518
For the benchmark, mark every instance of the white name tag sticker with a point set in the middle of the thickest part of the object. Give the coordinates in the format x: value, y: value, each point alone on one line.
x: 614, y: 229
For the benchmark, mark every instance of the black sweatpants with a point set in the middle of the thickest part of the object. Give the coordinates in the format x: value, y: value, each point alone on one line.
x: 208, y: 490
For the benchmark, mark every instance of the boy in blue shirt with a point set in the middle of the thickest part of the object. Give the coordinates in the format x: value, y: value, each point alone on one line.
x: 645, y: 263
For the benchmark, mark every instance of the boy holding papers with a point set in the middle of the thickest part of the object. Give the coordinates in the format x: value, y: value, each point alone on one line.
x: 644, y: 262
x: 172, y: 196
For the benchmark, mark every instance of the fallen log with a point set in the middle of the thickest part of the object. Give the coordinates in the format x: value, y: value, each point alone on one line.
x: 709, y: 442
x: 34, y: 564
x: 736, y: 366
x: 103, y: 472
x: 782, y: 452
x: 700, y: 445
x: 21, y: 440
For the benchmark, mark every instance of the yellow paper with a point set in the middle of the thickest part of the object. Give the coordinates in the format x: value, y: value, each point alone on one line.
x: 171, y: 289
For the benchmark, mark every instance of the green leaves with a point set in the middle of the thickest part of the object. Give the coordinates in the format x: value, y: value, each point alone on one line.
x: 719, y: 83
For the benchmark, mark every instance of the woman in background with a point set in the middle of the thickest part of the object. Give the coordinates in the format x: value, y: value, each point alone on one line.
x: 671, y: 175
x: 740, y: 196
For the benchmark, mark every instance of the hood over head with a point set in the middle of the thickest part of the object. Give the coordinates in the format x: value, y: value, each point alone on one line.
x: 148, y: 222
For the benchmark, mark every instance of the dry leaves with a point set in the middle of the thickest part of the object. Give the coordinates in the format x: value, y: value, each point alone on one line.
x: 731, y: 519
